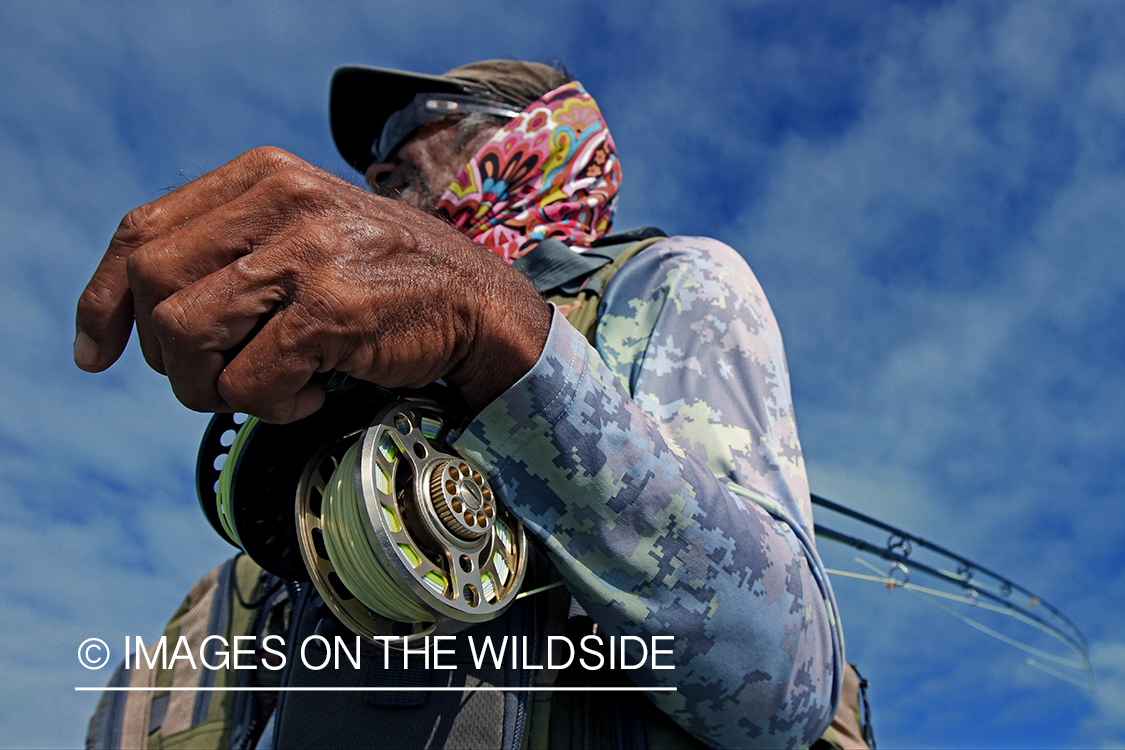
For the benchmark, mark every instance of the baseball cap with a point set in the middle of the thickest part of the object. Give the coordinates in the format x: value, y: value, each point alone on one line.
x: 361, y: 98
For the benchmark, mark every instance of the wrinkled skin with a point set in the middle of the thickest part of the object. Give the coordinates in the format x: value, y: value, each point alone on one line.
x: 324, y: 274
x: 418, y: 172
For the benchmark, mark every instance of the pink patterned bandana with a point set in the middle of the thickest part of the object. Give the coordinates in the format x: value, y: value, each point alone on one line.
x: 552, y: 171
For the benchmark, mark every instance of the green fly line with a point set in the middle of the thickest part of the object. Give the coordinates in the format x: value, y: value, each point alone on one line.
x: 344, y: 536
x: 226, y: 476
x: 351, y: 553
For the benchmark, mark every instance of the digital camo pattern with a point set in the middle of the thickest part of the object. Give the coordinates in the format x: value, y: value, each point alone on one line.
x: 663, y: 474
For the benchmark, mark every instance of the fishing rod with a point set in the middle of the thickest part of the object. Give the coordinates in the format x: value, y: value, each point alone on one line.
x: 402, y: 536
x: 898, y: 549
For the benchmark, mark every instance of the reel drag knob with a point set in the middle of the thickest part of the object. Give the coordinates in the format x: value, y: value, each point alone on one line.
x: 462, y: 500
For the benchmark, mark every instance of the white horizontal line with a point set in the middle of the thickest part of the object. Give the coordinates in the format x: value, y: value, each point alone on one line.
x: 482, y: 689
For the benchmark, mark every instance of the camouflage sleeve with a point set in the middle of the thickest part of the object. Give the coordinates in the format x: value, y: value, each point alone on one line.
x: 662, y: 473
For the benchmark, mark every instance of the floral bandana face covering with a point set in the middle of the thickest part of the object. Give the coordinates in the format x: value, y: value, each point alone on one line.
x: 552, y: 171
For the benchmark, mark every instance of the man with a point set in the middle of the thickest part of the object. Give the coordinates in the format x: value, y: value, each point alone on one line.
x: 659, y: 469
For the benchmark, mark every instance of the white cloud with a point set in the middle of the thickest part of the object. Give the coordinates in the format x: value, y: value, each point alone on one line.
x: 931, y: 194
x: 1107, y: 727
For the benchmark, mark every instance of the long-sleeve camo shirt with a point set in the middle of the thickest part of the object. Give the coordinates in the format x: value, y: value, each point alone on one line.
x: 662, y: 472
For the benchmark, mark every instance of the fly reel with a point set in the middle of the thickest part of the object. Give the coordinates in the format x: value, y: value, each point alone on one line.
x: 400, y: 535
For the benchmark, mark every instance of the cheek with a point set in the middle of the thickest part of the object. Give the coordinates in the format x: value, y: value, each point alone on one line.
x: 443, y: 181
x: 440, y: 172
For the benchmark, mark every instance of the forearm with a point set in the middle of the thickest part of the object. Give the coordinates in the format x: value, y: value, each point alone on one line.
x: 652, y: 543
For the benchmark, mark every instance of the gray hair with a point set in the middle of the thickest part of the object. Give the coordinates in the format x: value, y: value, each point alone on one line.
x: 472, y: 126
x: 513, y: 82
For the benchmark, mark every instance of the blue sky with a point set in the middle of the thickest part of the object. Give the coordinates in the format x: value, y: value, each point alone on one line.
x: 932, y: 194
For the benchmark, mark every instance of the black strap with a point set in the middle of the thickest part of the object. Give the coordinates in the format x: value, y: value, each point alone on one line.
x: 628, y: 236
x: 552, y: 263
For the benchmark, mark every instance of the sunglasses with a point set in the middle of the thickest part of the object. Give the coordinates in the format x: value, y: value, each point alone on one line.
x: 427, y: 108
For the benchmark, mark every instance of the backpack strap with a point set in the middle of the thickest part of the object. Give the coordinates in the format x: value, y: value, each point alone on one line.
x: 574, y: 281
x: 552, y: 264
x: 155, y: 717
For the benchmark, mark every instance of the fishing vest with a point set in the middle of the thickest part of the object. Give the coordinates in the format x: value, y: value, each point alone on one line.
x: 238, y: 598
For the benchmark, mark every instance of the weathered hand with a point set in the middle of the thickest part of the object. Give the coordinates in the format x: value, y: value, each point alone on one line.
x: 331, y: 275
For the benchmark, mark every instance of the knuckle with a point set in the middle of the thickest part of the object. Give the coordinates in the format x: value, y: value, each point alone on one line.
x: 297, y: 186
x: 270, y: 158
x: 140, y: 266
x: 274, y: 155
x: 171, y: 324
x: 137, y: 226
x: 252, y: 270
x: 149, y: 272
x: 95, y: 305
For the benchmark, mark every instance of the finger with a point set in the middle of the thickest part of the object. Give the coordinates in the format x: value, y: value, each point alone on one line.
x: 197, y: 334
x: 199, y: 326
x: 105, y: 309
x: 272, y: 377
x: 182, y: 257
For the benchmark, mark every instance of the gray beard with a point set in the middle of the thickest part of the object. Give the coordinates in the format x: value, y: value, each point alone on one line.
x: 419, y: 192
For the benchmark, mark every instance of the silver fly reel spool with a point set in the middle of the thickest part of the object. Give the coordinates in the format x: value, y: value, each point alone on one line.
x: 403, y: 537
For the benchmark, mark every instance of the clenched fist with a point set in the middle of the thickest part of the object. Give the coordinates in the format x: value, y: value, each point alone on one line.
x: 306, y: 273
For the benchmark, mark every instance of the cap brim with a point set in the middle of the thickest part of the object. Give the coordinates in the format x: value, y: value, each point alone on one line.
x: 362, y: 98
